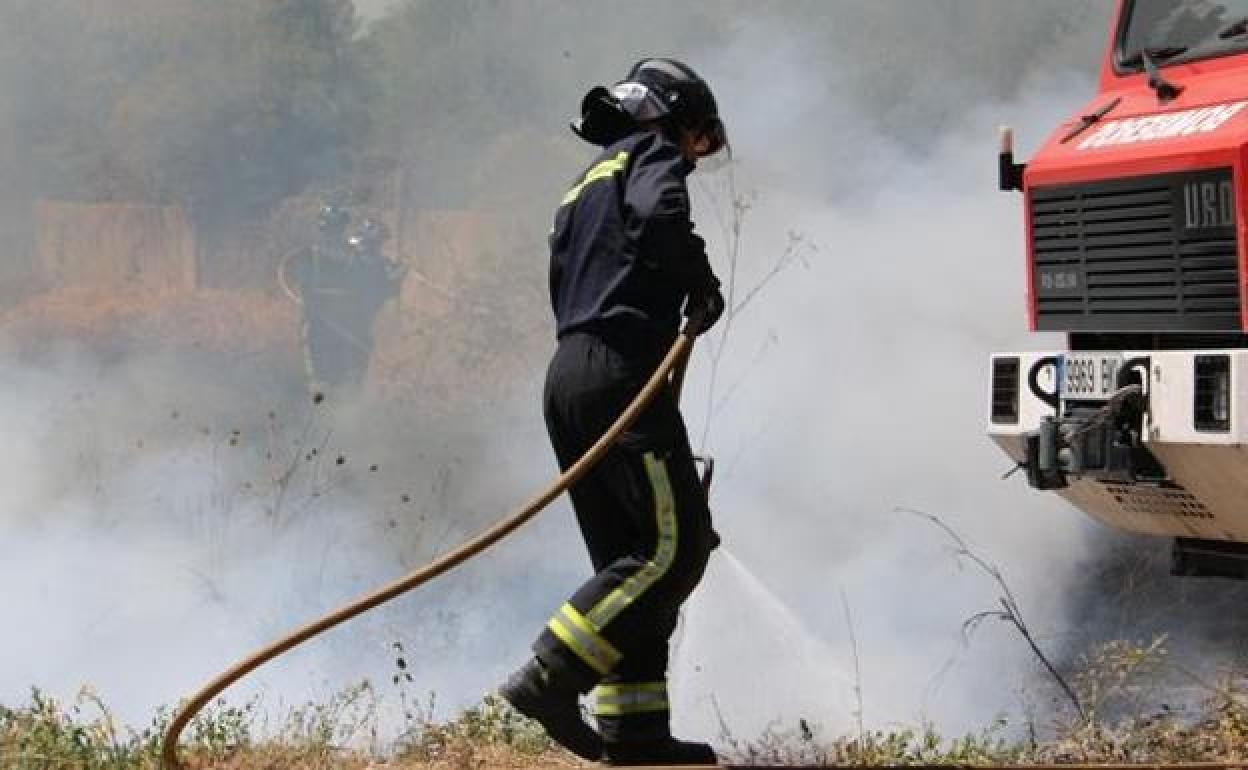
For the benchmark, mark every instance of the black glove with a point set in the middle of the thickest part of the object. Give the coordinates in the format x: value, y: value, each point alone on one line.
x: 704, y: 308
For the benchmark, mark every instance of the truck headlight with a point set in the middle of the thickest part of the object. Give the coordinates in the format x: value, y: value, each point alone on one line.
x: 1211, y: 410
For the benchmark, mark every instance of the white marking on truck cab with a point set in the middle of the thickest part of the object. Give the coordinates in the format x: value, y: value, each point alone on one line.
x: 1149, y: 128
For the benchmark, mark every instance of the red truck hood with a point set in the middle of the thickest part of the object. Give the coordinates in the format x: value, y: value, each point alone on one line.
x: 1205, y: 126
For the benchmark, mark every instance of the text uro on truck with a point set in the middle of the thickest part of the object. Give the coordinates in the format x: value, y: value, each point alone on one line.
x: 1136, y: 245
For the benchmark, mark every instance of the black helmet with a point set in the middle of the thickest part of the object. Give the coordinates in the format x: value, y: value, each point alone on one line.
x: 662, y: 90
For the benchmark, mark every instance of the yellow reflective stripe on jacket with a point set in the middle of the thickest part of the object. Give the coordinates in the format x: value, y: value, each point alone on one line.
x: 604, y: 170
x: 665, y: 553
x: 619, y: 699
x: 580, y: 636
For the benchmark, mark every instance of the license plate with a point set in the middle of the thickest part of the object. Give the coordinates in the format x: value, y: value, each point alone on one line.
x: 1090, y: 376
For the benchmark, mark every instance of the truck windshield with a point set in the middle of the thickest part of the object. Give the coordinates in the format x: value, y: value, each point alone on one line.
x: 1183, y: 30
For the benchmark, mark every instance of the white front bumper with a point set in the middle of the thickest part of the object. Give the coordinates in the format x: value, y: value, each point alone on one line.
x: 1208, y: 499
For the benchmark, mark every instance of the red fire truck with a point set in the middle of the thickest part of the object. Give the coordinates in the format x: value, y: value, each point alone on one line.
x: 1137, y: 250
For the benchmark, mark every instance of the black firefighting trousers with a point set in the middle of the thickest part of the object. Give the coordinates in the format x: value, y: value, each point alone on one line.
x: 644, y: 517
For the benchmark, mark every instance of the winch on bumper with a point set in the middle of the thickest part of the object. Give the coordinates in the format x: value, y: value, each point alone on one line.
x: 1097, y: 427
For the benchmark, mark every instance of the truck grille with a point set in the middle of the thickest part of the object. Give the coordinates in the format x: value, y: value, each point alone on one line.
x: 1154, y: 253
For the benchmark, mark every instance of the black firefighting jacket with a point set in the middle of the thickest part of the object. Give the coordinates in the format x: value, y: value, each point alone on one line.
x: 624, y: 255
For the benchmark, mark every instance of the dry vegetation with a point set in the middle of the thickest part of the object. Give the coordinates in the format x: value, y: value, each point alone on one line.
x: 1118, y: 684
x: 1140, y: 708
x: 338, y: 734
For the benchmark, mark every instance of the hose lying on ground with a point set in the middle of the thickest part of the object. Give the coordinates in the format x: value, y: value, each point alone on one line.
x: 672, y: 366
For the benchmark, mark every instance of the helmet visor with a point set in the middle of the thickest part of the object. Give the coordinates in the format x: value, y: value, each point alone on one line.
x: 639, y: 101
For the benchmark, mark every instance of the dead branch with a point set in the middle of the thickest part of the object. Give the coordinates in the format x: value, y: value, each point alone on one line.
x: 1010, y: 611
x: 853, y: 643
x: 735, y: 301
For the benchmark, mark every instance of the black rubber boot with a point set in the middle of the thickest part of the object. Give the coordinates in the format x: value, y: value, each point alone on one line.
x: 533, y: 692
x: 665, y: 752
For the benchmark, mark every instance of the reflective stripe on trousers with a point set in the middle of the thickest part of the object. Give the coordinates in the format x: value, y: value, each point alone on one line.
x: 637, y: 698
x: 580, y: 636
x: 581, y: 633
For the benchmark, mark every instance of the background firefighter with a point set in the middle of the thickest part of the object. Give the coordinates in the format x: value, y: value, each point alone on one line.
x: 624, y: 259
x: 342, y: 283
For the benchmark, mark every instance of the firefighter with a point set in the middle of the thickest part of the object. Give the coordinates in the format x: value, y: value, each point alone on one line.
x: 624, y: 260
x: 342, y: 283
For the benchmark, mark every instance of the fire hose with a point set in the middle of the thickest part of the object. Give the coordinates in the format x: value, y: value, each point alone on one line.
x: 669, y: 374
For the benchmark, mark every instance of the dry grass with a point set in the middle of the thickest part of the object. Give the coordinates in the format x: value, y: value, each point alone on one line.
x: 1139, y: 707
x: 1119, y: 684
x: 340, y: 734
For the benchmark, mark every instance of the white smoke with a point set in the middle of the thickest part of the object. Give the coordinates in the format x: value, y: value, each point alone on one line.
x: 147, y: 545
x: 864, y: 388
x: 855, y: 383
